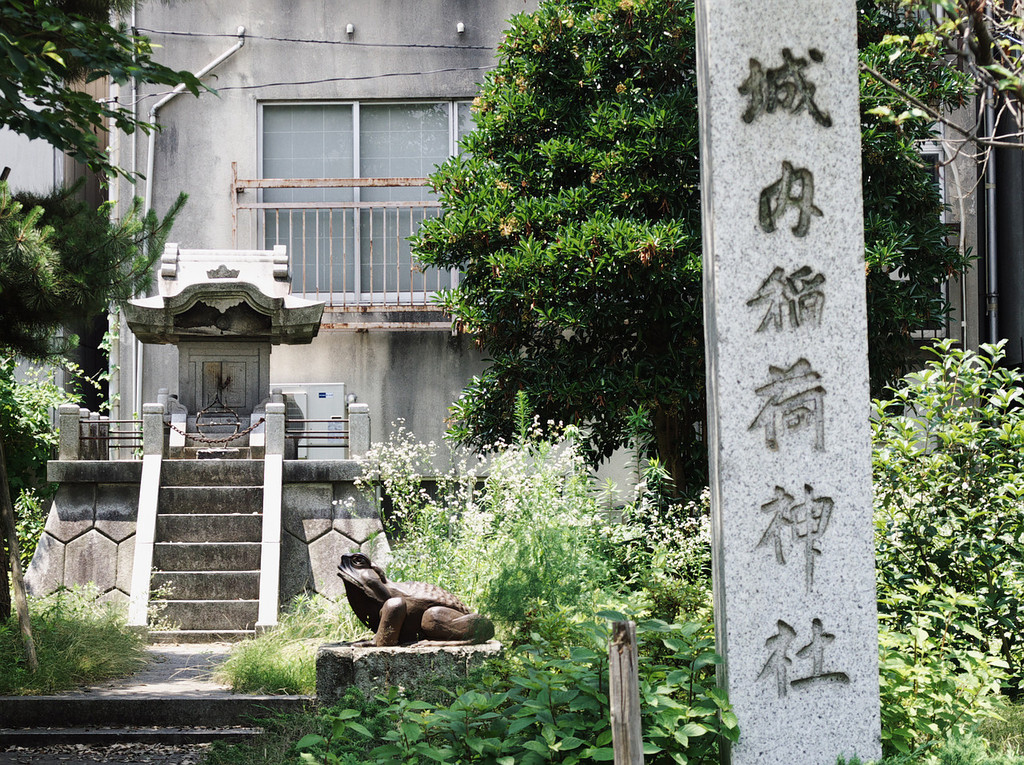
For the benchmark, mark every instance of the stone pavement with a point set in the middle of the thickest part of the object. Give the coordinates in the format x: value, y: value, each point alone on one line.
x: 175, y: 689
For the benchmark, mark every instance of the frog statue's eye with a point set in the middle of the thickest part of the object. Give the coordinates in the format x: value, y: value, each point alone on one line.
x: 360, y: 560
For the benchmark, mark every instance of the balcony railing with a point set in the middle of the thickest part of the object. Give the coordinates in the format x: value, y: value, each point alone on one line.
x: 347, y: 238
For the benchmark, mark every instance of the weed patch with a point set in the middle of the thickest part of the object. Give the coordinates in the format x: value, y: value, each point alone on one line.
x: 283, y: 660
x: 78, y: 640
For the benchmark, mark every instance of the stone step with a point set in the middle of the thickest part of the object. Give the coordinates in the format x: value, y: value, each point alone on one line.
x: 226, y: 527
x: 211, y: 499
x: 207, y: 585
x: 179, y: 637
x: 92, y: 736
x: 208, y: 614
x: 206, y: 556
x: 195, y: 450
x: 211, y: 473
x: 100, y: 709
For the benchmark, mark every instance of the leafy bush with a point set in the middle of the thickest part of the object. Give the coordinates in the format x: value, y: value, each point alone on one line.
x: 283, y: 660
x: 949, y: 498
x: 78, y: 640
x: 931, y: 688
x: 665, y: 549
x: 968, y: 749
x: 530, y: 532
x: 27, y: 396
x: 545, y: 707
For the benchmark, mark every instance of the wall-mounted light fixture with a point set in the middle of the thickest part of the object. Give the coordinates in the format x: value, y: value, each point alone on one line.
x: 350, y: 29
x: 460, y: 28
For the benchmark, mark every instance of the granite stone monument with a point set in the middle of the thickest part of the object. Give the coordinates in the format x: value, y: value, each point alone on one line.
x: 785, y: 323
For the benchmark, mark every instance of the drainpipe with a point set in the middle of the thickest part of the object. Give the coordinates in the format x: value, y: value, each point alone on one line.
x: 150, y: 163
x: 991, y: 250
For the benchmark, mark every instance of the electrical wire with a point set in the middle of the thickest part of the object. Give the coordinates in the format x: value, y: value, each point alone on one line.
x: 353, y: 78
x: 352, y: 43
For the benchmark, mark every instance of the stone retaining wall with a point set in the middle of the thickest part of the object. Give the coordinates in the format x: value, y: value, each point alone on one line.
x: 90, y: 530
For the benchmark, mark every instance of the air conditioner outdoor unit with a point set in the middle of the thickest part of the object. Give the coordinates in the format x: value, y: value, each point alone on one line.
x: 324, y: 405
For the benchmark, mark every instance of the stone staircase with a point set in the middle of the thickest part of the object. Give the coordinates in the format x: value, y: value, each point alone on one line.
x: 206, y: 558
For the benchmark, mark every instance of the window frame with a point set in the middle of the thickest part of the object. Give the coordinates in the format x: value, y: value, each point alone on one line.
x: 354, y: 294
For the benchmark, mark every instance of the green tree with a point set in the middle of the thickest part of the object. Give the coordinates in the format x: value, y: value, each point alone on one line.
x: 982, y: 37
x: 50, y: 46
x: 50, y: 276
x: 574, y: 216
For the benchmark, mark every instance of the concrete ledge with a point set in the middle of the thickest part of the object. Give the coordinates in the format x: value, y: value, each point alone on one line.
x: 413, y: 668
x: 320, y: 471
x: 94, y: 471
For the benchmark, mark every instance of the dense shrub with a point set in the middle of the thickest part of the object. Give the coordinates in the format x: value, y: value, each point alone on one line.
x: 531, y: 532
x: 549, y: 703
x: 949, y: 499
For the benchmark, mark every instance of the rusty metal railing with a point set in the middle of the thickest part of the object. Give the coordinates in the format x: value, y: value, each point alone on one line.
x: 105, y: 439
x: 350, y: 252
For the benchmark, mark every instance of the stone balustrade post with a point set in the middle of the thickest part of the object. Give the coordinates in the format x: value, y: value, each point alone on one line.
x: 152, y: 429
x: 68, y: 416
x: 358, y: 430
x: 275, y: 425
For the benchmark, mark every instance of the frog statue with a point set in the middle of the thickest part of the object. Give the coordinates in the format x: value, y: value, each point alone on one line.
x: 403, y: 612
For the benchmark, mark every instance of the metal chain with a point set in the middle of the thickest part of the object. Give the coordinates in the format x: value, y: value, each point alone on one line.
x: 207, y: 440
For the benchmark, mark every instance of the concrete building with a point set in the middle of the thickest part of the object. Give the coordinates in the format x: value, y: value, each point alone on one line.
x: 370, y: 95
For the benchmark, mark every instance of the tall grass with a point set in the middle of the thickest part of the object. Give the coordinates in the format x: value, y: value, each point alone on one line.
x: 78, y: 640
x: 283, y: 660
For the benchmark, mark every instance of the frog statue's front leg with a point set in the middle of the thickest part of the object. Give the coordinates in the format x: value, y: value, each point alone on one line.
x: 392, y: 618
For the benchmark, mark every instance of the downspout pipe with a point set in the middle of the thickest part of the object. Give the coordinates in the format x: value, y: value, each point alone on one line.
x: 178, y: 90
x: 991, y: 249
x: 150, y: 169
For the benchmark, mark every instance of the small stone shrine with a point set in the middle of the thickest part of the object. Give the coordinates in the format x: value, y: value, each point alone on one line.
x: 787, y: 379
x: 215, y: 539
x: 224, y: 309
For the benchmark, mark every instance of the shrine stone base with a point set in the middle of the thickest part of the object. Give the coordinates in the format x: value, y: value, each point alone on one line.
x: 417, y: 669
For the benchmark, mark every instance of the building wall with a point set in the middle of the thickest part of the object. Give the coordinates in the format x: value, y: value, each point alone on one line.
x: 412, y: 375
x: 35, y: 165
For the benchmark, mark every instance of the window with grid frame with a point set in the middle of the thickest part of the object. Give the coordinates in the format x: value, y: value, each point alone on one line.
x: 351, y: 243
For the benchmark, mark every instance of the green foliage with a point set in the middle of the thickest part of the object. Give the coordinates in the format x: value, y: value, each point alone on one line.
x: 969, y: 749
x: 60, y: 261
x: 981, y: 39
x: 931, y: 687
x: 949, y: 497
x: 526, y: 538
x: 49, y: 48
x: 547, y: 704
x: 78, y: 640
x: 30, y: 519
x: 574, y: 217
x: 906, y: 251
x: 577, y: 193
x: 27, y: 396
x: 283, y: 660
x: 666, y: 547
x: 276, y: 745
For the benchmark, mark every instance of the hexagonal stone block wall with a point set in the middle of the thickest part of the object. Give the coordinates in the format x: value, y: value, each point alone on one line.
x: 90, y: 530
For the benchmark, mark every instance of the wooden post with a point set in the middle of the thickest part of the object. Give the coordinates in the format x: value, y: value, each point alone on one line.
x: 624, y: 695
x: 11, y: 532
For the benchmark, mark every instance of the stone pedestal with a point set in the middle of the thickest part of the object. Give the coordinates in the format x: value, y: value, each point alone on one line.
x: 412, y: 668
